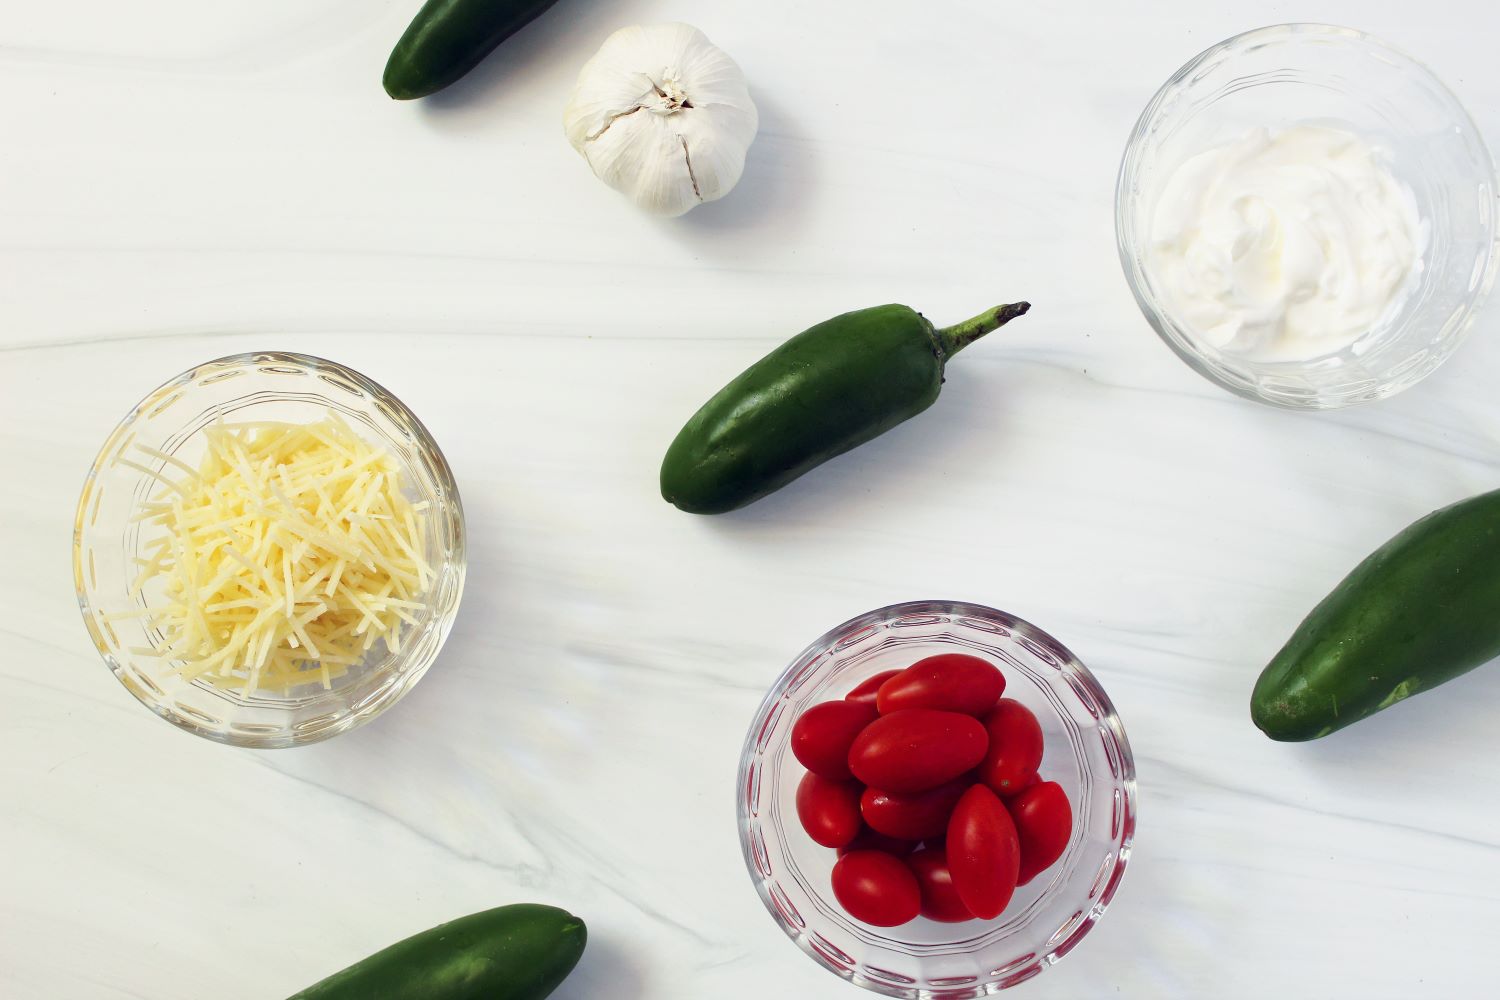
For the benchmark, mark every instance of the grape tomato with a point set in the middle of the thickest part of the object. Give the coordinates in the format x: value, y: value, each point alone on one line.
x: 916, y: 749
x: 911, y: 815
x: 1015, y: 747
x: 876, y: 888
x: 1044, y: 822
x: 983, y: 852
x: 822, y: 736
x: 949, y: 682
x: 828, y: 810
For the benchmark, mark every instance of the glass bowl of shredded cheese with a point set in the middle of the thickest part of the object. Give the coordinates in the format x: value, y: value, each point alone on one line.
x: 269, y: 550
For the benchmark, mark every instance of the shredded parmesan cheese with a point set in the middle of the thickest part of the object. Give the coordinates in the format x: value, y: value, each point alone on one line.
x: 282, y: 559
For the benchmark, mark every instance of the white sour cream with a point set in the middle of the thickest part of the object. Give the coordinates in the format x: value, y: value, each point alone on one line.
x: 1284, y: 246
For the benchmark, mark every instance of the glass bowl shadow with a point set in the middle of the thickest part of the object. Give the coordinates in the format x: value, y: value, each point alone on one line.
x: 1275, y: 76
x: 1086, y: 752
x: 107, y: 540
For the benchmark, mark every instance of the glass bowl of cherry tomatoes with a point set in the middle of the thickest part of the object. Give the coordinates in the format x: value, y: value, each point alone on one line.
x: 936, y: 798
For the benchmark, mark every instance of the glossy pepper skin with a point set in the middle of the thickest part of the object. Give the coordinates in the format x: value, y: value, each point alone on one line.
x: 448, y: 38
x: 518, y: 952
x: 1421, y: 610
x: 827, y: 390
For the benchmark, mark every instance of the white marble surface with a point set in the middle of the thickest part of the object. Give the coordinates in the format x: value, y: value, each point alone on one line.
x: 181, y: 180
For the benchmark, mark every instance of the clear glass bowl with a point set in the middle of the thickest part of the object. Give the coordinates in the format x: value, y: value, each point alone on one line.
x: 1086, y: 752
x: 266, y: 386
x: 1291, y: 73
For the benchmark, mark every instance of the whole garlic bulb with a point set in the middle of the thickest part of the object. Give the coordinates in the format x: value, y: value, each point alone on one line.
x: 662, y: 116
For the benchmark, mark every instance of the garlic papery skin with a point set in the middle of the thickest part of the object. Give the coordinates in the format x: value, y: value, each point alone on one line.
x: 663, y: 117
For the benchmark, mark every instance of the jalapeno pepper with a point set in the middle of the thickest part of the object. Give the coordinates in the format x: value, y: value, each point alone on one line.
x: 829, y: 389
x: 448, y: 38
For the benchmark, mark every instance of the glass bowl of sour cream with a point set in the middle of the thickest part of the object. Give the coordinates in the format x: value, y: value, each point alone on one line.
x: 1307, y: 216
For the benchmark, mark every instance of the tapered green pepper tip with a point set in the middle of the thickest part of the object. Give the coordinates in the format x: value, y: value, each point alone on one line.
x: 399, y: 85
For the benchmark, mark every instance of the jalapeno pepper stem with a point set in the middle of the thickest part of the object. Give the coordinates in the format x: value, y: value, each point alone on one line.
x: 960, y: 335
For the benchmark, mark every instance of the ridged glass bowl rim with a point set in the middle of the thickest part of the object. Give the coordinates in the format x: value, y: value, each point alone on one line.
x: 958, y: 609
x: 1180, y: 340
x: 409, y: 671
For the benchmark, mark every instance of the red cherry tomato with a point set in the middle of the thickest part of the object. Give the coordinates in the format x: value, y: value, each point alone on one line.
x: 911, y: 815
x: 917, y: 749
x: 869, y: 840
x: 940, y: 900
x: 822, y: 736
x: 950, y: 682
x: 829, y: 810
x: 1032, y: 782
x: 984, y: 854
x: 1015, y: 747
x: 876, y: 888
x: 865, y: 691
x: 1044, y: 822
